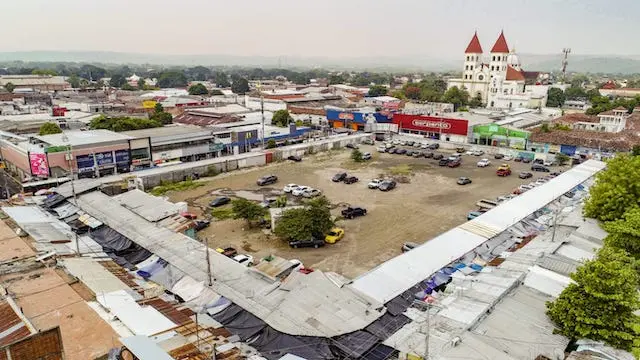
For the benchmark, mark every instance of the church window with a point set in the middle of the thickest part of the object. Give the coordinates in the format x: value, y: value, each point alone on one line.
x: 493, y: 58
x: 471, y: 67
x: 466, y: 67
x: 480, y: 77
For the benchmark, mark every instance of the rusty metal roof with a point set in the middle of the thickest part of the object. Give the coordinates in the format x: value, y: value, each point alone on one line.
x: 12, y: 328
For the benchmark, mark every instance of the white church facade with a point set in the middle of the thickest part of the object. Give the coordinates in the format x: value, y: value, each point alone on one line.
x: 499, y: 79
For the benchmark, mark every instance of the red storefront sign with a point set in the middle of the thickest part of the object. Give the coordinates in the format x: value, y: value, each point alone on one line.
x: 432, y: 124
x: 345, y: 116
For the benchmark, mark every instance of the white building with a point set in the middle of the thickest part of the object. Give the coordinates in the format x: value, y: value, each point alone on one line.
x: 498, y: 79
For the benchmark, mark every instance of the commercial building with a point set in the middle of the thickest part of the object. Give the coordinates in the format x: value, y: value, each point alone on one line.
x: 497, y: 135
x: 356, y: 119
x: 433, y: 127
x: 35, y: 82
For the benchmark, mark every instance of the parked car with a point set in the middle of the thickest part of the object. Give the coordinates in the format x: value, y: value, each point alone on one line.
x: 189, y: 215
x: 547, y: 163
x: 408, y: 246
x: 339, y: 177
x: 201, y: 224
x: 460, y: 150
x: 247, y: 260
x: 477, y: 152
x: 443, y: 162
x: 526, y: 160
x: 374, y: 184
x: 498, y: 156
x: 416, y: 154
x: 219, y: 201
x: 289, y: 187
x: 367, y: 141
x: 473, y: 214
x: 351, y: 212
x: 507, y: 158
x: 409, y: 152
x: 387, y: 185
x: 554, y: 174
x: 434, y: 146
x: 390, y: 145
x: 525, y: 175
x: 267, y: 180
x: 401, y: 151
x: 391, y: 150
x: 309, y: 193
x: 300, y: 190
x: 538, y: 161
x: 228, y: 252
x: 267, y: 203
x: 503, y: 170
x: 381, y: 149
x: 463, y: 180
x: 314, y: 243
x: 424, y: 146
x: 524, y: 188
x: 437, y: 156
x: 350, y: 180
x: 295, y: 158
x: 484, y: 163
x: 351, y: 146
x: 518, y: 159
x: 538, y: 167
x: 454, y: 163
x: 334, y: 235
x: 409, y: 143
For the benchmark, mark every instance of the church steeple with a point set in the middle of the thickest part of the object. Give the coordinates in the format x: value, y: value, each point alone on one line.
x: 474, y: 46
x: 501, y: 45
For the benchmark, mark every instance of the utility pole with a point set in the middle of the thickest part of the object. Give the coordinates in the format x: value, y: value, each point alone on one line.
x: 425, y: 306
x: 565, y: 62
x: 73, y: 188
x: 206, y: 248
x: 555, y: 220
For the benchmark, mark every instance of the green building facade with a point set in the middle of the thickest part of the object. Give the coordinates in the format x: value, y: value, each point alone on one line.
x: 496, y: 135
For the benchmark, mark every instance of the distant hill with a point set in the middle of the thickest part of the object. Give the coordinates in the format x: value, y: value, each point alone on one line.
x: 577, y: 63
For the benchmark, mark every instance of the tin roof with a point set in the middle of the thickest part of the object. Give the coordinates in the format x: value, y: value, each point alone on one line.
x: 12, y: 327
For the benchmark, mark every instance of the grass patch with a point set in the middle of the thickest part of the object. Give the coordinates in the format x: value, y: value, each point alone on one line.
x: 404, y: 169
x: 165, y: 187
x: 222, y: 213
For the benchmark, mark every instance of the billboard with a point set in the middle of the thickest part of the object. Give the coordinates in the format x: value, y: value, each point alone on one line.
x: 149, y: 104
x: 38, y: 164
x: 122, y: 156
x: 432, y: 124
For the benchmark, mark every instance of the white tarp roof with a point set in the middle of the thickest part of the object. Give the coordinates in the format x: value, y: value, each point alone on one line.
x: 141, y: 320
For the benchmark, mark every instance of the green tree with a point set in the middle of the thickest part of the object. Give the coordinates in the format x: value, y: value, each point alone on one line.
x: 221, y: 80
x: 127, y: 87
x: 49, y: 128
x: 198, y: 89
x: 456, y: 97
x: 281, y: 201
x: 378, y: 90
x: 271, y: 144
x: 9, y: 87
x: 356, y: 155
x: 117, y: 80
x: 141, y: 84
x: 248, y: 210
x: 74, y: 81
x: 304, y: 223
x: 636, y: 150
x: 476, y: 101
x: 624, y: 233
x: 600, y: 305
x: 240, y: 86
x: 555, y: 97
x: 158, y: 108
x: 281, y: 118
x: 562, y: 158
x: 49, y: 72
x: 545, y: 128
x: 215, y: 92
x: 162, y: 117
x: 616, y: 189
x: 172, y: 79
x: 575, y: 93
x: 122, y: 123
x: 412, y: 92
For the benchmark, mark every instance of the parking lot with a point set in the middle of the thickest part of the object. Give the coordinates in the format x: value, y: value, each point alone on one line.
x: 426, y: 202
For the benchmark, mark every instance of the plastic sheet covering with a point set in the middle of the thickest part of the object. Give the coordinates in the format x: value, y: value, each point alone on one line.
x: 188, y: 288
x: 219, y: 305
x: 273, y: 345
x: 205, y: 300
x: 354, y: 344
x: 387, y: 325
x: 167, y: 276
x: 228, y: 314
x: 110, y: 239
x: 122, y: 250
x: 401, y: 303
x: 147, y: 271
x: 240, y: 322
x: 379, y: 352
x: 53, y: 201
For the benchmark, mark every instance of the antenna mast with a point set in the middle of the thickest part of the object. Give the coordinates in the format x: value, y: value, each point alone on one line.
x: 565, y: 62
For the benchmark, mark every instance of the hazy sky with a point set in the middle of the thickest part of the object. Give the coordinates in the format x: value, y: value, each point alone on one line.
x: 332, y: 28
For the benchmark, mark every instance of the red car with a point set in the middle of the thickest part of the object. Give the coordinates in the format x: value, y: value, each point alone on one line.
x: 454, y: 163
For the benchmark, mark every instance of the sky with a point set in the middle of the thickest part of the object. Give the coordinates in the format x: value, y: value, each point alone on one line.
x: 440, y: 29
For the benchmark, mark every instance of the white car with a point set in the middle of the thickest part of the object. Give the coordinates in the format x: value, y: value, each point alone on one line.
x: 547, y: 163
x: 389, y: 145
x: 290, y: 187
x: 395, y: 142
x: 507, y: 158
x: 311, y: 193
x: 300, y: 190
x: 484, y: 163
x: 417, y: 144
x: 424, y: 146
x: 373, y: 184
x: 246, y: 260
x: 382, y: 149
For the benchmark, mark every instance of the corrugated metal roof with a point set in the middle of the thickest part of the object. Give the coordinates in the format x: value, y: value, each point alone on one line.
x: 12, y: 328
x: 94, y: 275
x: 144, y: 348
x: 546, y: 281
x: 150, y: 207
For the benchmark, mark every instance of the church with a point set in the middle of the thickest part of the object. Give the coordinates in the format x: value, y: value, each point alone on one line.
x: 499, y: 79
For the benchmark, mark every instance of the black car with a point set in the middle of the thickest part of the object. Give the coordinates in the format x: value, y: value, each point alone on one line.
x: 387, y: 185
x: 409, y: 143
x: 538, y: 167
x: 339, y: 177
x: 350, y: 180
x: 267, y: 180
x: 498, y: 156
x: 526, y: 160
x: 443, y: 162
x: 314, y: 243
x: 201, y: 224
x: 416, y: 154
x: 525, y: 175
x: 434, y: 146
x: 295, y: 158
x: 219, y: 201
x: 391, y: 150
x: 576, y: 161
x: 401, y: 151
x: 437, y: 156
x: 351, y: 146
x: 518, y: 159
x: 409, y: 153
x: 554, y: 174
x: 427, y: 154
x: 351, y: 212
x: 538, y: 161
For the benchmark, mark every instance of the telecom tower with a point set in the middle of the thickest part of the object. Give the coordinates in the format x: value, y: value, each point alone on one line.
x: 565, y: 62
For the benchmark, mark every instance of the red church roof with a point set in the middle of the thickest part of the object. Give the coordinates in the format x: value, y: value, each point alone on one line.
x: 501, y: 45
x: 513, y: 74
x: 474, y: 46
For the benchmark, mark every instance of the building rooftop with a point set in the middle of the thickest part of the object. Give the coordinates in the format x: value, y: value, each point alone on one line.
x: 82, y: 138
x: 168, y: 131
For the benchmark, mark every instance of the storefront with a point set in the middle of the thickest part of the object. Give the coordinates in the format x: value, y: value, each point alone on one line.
x: 496, y: 135
x: 433, y: 127
x: 354, y: 120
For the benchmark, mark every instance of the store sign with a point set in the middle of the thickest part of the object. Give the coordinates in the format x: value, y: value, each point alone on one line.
x: 85, y: 163
x: 216, y: 147
x: 122, y: 156
x: 431, y: 124
x: 346, y: 116
x: 39, y: 165
x: 105, y: 158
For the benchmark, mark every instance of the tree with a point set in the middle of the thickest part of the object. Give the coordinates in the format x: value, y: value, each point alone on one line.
x: 128, y: 87
x: 562, y: 158
x: 378, y: 90
x: 221, y: 80
x: 9, y: 87
x: 616, y: 189
x: 160, y: 116
x: 412, y: 92
x: 141, y: 84
x: 555, y: 97
x: 215, y: 92
x: 335, y: 79
x: 304, y: 223
x: 74, y: 81
x: 575, y: 93
x: 281, y: 118
x: 281, y: 201
x: 636, y: 150
x: 476, y: 101
x: 49, y: 128
x: 49, y: 72
x: 600, y: 304
x: 122, y: 123
x: 248, y: 210
x: 271, y: 144
x: 456, y: 97
x: 356, y: 155
x: 198, y: 89
x: 240, y: 86
x: 172, y: 79
x: 624, y: 233
x: 117, y: 80
x: 158, y: 108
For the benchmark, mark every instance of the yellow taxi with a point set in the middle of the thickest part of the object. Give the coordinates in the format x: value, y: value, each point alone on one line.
x: 334, y: 235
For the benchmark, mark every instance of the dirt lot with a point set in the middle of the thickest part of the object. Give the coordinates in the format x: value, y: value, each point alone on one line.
x: 417, y: 211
